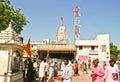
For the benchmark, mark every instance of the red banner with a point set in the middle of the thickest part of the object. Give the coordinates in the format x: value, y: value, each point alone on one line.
x: 83, y: 57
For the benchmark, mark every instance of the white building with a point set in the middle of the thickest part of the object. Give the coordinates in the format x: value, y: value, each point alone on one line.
x: 83, y: 50
x: 91, y: 49
x: 11, y: 52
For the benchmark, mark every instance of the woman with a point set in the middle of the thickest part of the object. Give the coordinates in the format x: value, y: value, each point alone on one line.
x: 76, y: 69
x: 97, y: 72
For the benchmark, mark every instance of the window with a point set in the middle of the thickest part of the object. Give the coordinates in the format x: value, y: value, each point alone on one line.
x: 80, y: 47
x: 92, y: 47
x: 103, y: 48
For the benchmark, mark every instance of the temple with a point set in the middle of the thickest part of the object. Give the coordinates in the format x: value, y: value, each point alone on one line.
x: 11, y: 54
x: 61, y: 35
x: 10, y: 36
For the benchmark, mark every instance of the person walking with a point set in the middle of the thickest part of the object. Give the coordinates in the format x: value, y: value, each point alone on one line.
x: 112, y: 72
x: 97, y: 72
x: 41, y: 70
x: 76, y: 69
x: 55, y: 69
x: 51, y: 73
x: 30, y: 70
x: 67, y: 72
x: 46, y: 70
x: 35, y: 69
x: 25, y: 68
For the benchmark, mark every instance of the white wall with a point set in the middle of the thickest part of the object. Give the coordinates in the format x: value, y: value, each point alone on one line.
x: 3, y: 61
x: 3, y: 64
x: 100, y: 40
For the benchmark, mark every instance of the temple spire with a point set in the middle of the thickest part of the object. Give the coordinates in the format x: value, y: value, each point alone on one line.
x: 61, y: 35
x: 10, y: 27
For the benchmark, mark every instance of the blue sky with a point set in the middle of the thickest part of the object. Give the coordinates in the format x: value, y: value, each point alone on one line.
x: 97, y: 17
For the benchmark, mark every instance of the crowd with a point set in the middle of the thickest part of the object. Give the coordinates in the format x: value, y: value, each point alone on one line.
x: 39, y: 69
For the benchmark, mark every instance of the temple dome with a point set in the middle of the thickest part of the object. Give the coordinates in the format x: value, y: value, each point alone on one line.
x: 61, y: 35
x: 9, y: 35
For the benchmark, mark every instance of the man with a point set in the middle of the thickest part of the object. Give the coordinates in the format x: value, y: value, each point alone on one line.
x: 67, y: 72
x: 51, y: 73
x: 97, y: 72
x: 41, y: 69
x: 30, y: 70
x: 25, y: 68
x: 46, y: 69
x: 112, y: 72
x: 35, y: 69
x: 55, y: 69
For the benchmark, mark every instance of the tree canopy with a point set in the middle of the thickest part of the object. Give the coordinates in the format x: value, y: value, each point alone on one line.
x: 114, y: 51
x: 9, y: 14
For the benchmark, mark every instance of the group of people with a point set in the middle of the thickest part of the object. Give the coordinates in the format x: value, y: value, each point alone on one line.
x: 110, y: 74
x: 98, y: 74
x: 48, y: 72
x: 40, y: 70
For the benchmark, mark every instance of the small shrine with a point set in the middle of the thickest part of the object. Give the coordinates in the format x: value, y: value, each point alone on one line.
x: 11, y: 52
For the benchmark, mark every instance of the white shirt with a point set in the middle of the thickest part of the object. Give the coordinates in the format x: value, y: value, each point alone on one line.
x: 67, y: 73
x: 46, y: 67
x: 35, y: 65
x: 42, y: 69
x: 51, y: 73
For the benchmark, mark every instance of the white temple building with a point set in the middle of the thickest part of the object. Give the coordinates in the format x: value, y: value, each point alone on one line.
x: 9, y: 36
x: 61, y: 35
x: 81, y: 50
x: 11, y: 54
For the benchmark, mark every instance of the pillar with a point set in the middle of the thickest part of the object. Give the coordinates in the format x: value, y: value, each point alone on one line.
x: 47, y: 57
x: 10, y: 62
x: 9, y: 66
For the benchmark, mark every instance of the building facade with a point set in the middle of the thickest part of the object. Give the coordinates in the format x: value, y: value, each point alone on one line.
x: 55, y: 49
x: 82, y: 50
x: 90, y: 49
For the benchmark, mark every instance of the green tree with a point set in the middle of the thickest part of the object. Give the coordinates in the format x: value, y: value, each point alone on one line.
x: 114, y: 52
x: 118, y: 58
x: 9, y: 14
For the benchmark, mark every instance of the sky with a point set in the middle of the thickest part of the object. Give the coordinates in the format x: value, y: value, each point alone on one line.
x: 97, y: 17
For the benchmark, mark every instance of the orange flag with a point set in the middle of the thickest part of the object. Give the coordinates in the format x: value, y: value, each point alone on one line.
x: 28, y: 48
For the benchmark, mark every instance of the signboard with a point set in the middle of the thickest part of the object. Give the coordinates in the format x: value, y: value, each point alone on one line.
x: 83, y: 57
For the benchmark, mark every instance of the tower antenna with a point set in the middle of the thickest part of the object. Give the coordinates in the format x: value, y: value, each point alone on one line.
x: 77, y: 22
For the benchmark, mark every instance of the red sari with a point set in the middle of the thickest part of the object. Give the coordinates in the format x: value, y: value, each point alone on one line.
x: 76, y: 69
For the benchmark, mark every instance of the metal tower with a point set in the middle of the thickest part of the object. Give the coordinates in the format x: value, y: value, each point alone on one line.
x: 77, y: 22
